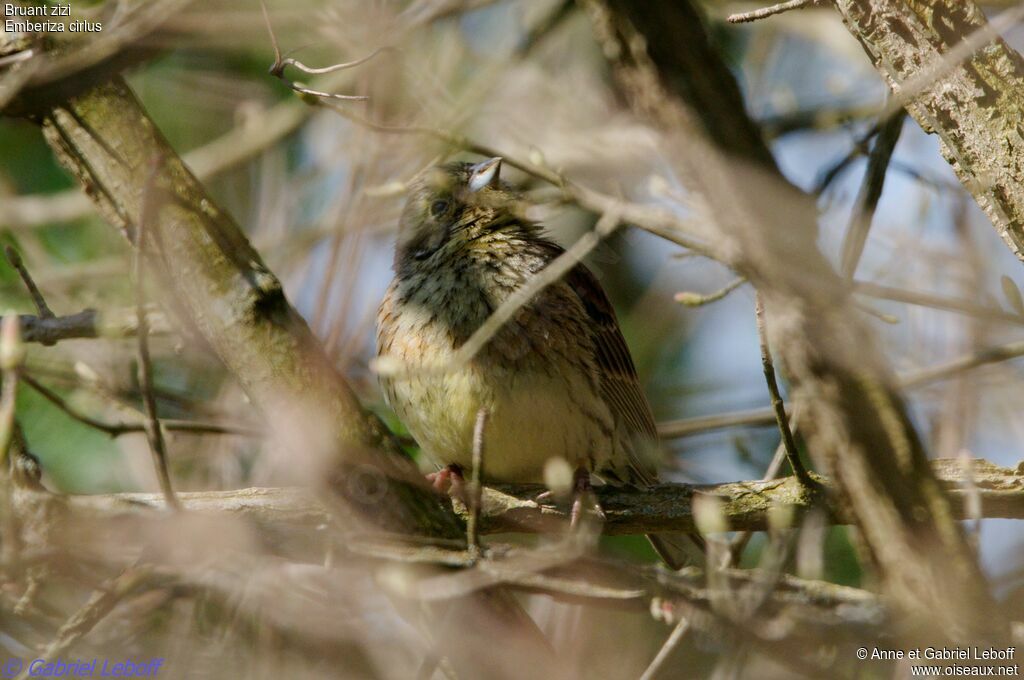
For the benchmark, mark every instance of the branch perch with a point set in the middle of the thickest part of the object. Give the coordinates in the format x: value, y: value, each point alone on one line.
x: 279, y: 513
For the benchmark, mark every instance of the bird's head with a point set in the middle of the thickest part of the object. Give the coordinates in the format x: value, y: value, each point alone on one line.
x: 451, y: 205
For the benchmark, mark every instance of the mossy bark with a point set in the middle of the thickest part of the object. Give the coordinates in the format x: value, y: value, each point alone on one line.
x: 219, y: 287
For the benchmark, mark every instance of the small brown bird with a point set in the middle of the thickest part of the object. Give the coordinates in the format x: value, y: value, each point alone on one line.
x: 557, y: 379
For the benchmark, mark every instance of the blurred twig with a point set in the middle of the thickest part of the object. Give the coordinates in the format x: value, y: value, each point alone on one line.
x: 691, y: 299
x: 101, y: 603
x: 14, y: 258
x: 12, y: 355
x: 476, y: 487
x: 118, y: 429
x: 673, y: 640
x: 690, y: 426
x: 870, y: 193
x: 909, y: 380
x: 982, y: 357
x: 151, y: 203
x: 967, y: 307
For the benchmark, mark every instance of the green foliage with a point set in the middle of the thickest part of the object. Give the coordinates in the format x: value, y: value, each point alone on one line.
x: 841, y: 564
x: 76, y: 458
x: 26, y: 162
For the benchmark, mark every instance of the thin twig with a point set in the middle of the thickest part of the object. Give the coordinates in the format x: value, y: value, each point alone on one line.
x: 674, y: 638
x: 101, y: 603
x: 118, y: 429
x: 154, y: 434
x: 911, y: 297
x: 686, y: 427
x: 288, y: 61
x: 281, y: 62
x: 476, y: 488
x: 989, y: 355
x: 23, y: 55
x: 778, y: 406
x: 691, y: 299
x: 761, y: 417
x: 765, y: 12
x: 14, y: 257
x: 870, y: 193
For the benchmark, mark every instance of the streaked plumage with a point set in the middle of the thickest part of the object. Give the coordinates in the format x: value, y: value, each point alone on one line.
x: 558, y: 378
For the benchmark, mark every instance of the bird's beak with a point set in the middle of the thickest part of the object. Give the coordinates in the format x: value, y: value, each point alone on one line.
x: 484, y: 174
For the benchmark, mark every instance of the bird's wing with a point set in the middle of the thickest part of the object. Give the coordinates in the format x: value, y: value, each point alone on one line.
x: 621, y: 388
x: 619, y: 383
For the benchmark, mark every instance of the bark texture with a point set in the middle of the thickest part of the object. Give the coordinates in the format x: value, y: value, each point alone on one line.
x: 974, y: 106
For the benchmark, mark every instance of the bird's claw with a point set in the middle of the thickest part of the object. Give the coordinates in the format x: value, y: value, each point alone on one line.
x: 449, y: 481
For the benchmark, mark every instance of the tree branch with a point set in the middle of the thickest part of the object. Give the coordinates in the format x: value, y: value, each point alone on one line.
x: 286, y: 515
x: 89, y: 323
x: 972, y: 101
x: 211, y: 275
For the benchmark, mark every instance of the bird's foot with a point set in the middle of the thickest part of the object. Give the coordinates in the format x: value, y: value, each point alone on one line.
x: 583, y: 499
x: 449, y: 481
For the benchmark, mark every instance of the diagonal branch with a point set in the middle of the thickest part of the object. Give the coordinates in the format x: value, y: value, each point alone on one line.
x: 217, y: 279
x: 960, y: 81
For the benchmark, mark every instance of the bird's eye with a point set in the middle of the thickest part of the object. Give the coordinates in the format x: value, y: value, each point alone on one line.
x: 438, y: 208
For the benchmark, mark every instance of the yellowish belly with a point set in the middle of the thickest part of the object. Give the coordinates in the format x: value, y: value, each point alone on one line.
x: 532, y: 418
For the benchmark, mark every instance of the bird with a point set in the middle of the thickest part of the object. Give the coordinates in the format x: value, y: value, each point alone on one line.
x: 557, y: 380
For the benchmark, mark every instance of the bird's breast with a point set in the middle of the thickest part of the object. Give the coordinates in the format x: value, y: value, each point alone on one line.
x: 534, y: 377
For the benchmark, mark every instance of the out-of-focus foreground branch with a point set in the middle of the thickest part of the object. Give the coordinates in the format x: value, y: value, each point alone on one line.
x: 974, y: 104
x: 856, y: 424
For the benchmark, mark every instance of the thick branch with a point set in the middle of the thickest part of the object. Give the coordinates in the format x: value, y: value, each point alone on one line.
x: 289, y: 515
x: 974, y: 105
x: 213, y: 277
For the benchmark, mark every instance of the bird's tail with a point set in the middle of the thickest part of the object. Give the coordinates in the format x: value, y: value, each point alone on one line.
x: 679, y: 550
